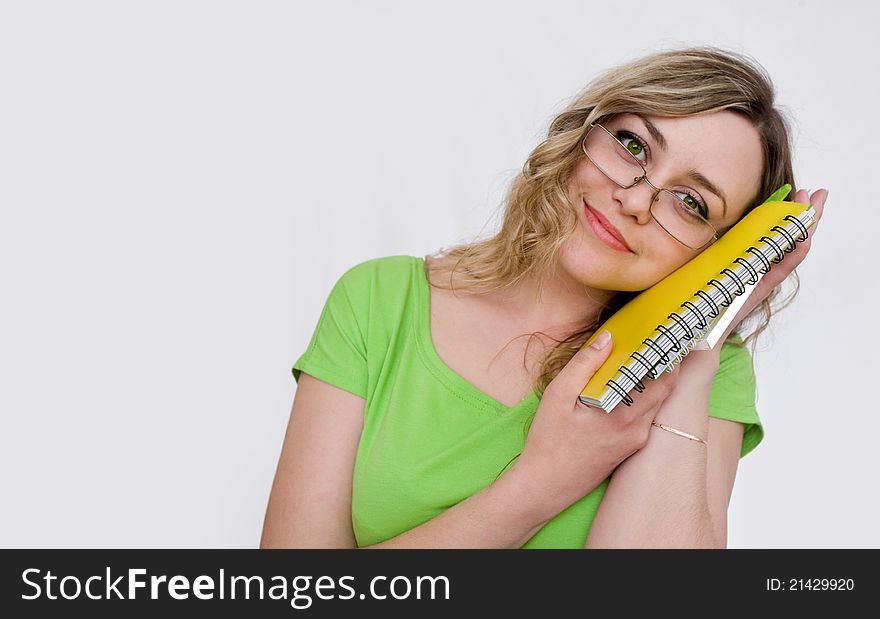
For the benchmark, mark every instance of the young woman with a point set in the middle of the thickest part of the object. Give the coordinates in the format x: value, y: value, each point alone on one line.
x: 437, y: 400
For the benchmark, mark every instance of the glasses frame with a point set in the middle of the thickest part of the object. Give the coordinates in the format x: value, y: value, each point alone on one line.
x: 644, y: 177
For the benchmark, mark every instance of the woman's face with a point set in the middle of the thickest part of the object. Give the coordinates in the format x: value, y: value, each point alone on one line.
x: 722, y: 148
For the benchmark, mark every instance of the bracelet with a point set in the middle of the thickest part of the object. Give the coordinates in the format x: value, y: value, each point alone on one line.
x: 663, y: 426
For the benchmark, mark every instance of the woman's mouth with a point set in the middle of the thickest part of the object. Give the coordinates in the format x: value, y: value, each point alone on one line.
x: 603, y: 229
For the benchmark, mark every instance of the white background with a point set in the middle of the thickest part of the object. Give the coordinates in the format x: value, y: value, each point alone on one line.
x: 181, y: 184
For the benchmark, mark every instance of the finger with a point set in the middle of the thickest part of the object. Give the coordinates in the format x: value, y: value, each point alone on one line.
x: 817, y: 200
x: 572, y: 379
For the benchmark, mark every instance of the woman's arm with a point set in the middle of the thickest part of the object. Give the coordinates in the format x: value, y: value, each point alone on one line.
x: 725, y: 447
x: 501, y: 515
x: 310, y: 502
x: 659, y: 497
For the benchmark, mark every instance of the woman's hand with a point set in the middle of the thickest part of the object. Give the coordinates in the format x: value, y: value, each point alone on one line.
x: 571, y: 448
x: 783, y: 269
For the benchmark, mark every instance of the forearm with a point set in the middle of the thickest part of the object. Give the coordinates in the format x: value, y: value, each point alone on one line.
x: 657, y: 498
x: 505, y: 514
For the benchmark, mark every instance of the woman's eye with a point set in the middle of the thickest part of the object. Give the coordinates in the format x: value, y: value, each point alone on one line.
x: 632, y: 143
x: 693, y: 203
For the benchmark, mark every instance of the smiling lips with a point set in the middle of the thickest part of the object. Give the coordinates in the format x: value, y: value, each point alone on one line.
x: 606, y: 232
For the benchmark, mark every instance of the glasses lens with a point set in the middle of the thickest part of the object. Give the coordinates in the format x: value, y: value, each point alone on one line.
x: 681, y: 220
x: 612, y: 158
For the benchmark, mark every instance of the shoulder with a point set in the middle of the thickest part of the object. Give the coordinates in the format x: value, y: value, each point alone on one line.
x: 364, y: 276
x: 381, y: 284
x: 383, y: 266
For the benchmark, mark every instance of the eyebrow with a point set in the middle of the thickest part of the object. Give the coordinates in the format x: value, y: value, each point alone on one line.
x: 696, y: 176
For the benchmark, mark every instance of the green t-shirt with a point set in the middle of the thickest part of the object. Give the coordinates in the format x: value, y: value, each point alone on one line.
x: 430, y: 438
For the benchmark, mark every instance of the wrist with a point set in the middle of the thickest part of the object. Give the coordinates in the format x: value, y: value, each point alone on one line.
x: 530, y: 494
x: 700, y: 367
x: 687, y: 408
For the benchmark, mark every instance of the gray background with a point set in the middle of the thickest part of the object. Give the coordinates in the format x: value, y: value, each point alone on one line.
x: 182, y: 183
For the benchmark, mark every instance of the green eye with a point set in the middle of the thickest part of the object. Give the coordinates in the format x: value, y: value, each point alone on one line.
x: 633, y: 144
x: 634, y: 147
x: 693, y: 203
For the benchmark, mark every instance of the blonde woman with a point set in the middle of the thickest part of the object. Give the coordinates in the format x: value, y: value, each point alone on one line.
x: 437, y: 404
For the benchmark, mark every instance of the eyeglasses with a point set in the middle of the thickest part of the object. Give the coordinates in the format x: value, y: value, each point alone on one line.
x: 681, y: 221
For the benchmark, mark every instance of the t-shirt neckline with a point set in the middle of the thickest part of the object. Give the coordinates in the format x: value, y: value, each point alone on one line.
x: 446, y: 374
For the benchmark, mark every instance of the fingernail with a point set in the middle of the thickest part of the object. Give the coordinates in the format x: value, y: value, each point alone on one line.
x: 601, y: 340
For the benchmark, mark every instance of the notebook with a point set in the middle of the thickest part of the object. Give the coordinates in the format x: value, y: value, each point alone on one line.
x: 691, y: 307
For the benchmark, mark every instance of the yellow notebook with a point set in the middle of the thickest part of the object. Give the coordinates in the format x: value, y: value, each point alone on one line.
x: 693, y: 305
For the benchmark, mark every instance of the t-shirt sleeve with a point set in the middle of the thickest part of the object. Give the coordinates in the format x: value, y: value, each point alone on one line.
x: 337, y: 352
x: 733, y: 394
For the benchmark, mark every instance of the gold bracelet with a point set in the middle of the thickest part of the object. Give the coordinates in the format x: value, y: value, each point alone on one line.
x: 663, y: 426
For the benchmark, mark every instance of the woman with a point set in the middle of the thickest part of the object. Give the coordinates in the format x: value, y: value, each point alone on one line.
x: 437, y: 400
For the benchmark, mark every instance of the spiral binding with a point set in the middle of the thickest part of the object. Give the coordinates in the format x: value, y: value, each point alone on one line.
x: 800, y: 225
x: 640, y: 386
x: 669, y: 335
x: 780, y: 253
x: 740, y: 287
x: 701, y: 318
x: 752, y: 271
x: 705, y: 296
x: 664, y: 358
x: 627, y: 398
x: 764, y: 260
x: 728, y: 297
x: 649, y: 368
x: 681, y: 323
x: 788, y: 238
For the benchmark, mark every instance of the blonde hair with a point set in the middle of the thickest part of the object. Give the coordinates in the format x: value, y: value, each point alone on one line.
x: 537, y: 216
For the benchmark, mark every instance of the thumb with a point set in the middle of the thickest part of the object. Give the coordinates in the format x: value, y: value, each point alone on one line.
x: 580, y: 369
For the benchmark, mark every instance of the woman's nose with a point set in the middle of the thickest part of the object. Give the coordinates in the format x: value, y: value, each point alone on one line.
x: 635, y: 201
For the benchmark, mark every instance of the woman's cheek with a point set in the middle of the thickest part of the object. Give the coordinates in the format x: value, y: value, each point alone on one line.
x: 674, y: 260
